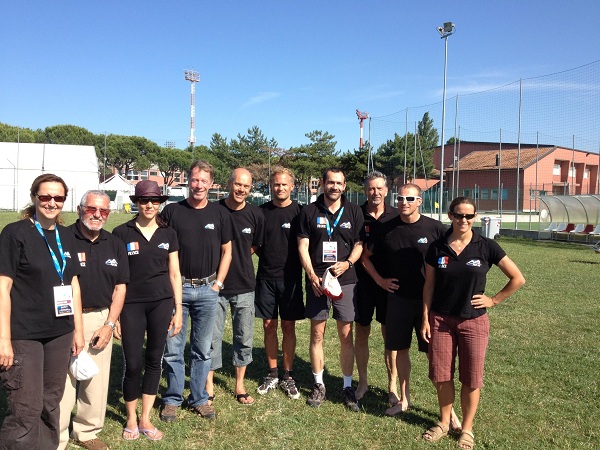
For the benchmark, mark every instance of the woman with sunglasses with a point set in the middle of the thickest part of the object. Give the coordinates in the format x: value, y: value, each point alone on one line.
x: 454, y: 313
x: 40, y: 317
x: 152, y: 305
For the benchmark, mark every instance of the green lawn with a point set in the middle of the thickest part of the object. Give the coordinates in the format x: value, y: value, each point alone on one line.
x: 541, y: 384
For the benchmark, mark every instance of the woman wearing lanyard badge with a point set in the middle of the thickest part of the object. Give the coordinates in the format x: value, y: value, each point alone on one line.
x: 40, y: 317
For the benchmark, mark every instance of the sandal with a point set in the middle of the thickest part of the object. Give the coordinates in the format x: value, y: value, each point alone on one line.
x: 152, y: 434
x: 435, y: 433
x: 130, y: 435
x: 244, y: 399
x: 466, y: 440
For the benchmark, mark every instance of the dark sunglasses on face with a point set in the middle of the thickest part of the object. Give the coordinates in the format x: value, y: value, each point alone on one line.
x: 146, y: 200
x: 47, y: 198
x: 409, y: 199
x: 92, y: 210
x: 463, y: 216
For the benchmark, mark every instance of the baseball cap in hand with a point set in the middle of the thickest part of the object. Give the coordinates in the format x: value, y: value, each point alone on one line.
x: 331, y: 286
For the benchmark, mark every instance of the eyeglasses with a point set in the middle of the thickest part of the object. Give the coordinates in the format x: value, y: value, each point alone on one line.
x: 47, y: 198
x: 93, y: 210
x: 146, y: 200
x: 408, y: 199
x: 463, y: 216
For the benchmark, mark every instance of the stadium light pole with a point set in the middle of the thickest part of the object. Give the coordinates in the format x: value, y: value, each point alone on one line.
x: 445, y: 32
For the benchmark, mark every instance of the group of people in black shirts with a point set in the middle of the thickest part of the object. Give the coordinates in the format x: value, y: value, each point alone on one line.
x: 195, y: 261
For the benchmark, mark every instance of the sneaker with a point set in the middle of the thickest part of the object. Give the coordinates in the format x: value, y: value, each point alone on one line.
x: 168, y: 413
x: 269, y: 383
x: 350, y: 401
x: 317, y: 395
x: 206, y: 411
x: 288, y: 386
x: 92, y: 444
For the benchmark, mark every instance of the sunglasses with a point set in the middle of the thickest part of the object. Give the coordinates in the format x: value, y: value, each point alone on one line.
x: 463, y: 216
x: 408, y: 199
x: 47, y: 198
x: 93, y: 210
x: 146, y: 200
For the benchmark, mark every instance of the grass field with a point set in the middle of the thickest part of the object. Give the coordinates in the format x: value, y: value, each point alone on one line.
x: 541, y: 384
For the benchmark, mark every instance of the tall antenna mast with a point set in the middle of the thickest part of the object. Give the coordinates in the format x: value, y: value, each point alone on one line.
x: 193, y: 77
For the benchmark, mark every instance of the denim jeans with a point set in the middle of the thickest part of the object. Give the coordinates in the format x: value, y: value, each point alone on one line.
x: 199, y: 303
x: 242, y: 317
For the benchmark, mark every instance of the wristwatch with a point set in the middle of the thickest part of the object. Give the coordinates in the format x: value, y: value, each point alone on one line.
x: 219, y: 284
x: 350, y: 264
x: 112, y: 325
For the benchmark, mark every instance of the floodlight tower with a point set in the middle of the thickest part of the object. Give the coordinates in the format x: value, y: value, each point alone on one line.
x: 193, y: 77
x: 362, y: 116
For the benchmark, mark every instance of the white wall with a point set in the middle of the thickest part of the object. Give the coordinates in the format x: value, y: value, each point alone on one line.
x: 20, y: 164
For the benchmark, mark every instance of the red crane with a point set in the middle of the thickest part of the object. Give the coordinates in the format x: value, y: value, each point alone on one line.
x: 361, y: 118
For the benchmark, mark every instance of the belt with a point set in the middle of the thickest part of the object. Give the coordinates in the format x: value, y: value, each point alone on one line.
x: 199, y: 281
x: 87, y: 310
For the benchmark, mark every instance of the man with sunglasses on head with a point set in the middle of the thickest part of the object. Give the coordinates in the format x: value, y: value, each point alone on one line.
x: 104, y: 275
x: 370, y: 298
x: 401, y: 244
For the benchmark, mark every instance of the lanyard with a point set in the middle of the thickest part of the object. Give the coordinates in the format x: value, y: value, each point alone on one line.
x: 59, y: 270
x: 329, y: 227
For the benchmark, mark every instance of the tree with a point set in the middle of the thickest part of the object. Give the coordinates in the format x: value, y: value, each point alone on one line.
x: 171, y: 161
x: 11, y: 133
x: 127, y: 152
x: 354, y: 166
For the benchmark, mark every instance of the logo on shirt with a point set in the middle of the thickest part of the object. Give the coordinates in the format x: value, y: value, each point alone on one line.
x: 81, y: 258
x: 67, y: 254
x: 346, y: 225
x: 423, y: 240
x: 111, y: 262
x: 209, y: 226
x: 164, y: 245
x: 133, y: 248
x: 247, y: 231
x: 286, y: 225
x: 474, y: 263
x: 321, y: 222
x: 442, y: 262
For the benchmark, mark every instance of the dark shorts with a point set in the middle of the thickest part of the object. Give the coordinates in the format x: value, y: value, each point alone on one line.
x: 281, y: 298
x: 370, y: 299
x: 344, y: 309
x: 403, y: 316
x: 452, y: 335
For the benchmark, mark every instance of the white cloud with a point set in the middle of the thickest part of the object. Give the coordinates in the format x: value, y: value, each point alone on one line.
x: 261, y: 98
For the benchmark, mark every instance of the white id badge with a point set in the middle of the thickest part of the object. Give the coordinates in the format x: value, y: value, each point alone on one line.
x: 63, y: 301
x: 329, y: 251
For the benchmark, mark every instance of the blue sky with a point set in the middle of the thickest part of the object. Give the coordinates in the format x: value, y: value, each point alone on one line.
x: 287, y: 67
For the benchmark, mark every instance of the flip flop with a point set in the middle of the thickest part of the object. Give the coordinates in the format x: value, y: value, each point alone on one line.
x: 135, y: 433
x: 466, y: 440
x: 435, y: 433
x: 244, y: 399
x: 152, y: 434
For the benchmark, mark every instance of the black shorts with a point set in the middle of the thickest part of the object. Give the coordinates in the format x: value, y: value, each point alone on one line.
x: 370, y: 299
x: 403, y: 316
x: 279, y: 297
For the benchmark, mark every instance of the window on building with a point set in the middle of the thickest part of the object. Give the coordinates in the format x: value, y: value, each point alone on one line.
x: 504, y: 194
x: 314, y: 184
x: 144, y: 174
x: 485, y: 194
x: 466, y: 192
x: 133, y: 175
x: 494, y: 194
x: 556, y: 169
x: 572, y: 172
x: 153, y: 173
x: 586, y: 173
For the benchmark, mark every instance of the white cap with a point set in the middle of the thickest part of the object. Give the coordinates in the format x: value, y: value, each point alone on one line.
x: 331, y: 286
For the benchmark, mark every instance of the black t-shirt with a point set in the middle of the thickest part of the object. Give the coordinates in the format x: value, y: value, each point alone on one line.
x: 103, y: 264
x: 402, y: 247
x: 201, y: 232
x: 279, y: 253
x: 458, y: 278
x: 313, y: 219
x: 25, y: 258
x: 369, y: 230
x: 148, y: 262
x: 248, y: 229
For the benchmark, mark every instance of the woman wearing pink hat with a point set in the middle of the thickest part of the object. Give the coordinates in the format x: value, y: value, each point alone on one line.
x: 152, y: 293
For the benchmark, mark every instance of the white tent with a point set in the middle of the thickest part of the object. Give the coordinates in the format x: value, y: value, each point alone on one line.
x: 21, y: 163
x: 123, y: 189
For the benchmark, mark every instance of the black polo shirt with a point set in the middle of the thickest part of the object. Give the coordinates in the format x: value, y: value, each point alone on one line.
x: 369, y: 229
x: 248, y: 229
x: 459, y: 277
x: 103, y: 265
x: 401, y: 247
x: 25, y: 258
x: 279, y: 257
x: 200, y: 232
x: 347, y: 232
x: 148, y: 262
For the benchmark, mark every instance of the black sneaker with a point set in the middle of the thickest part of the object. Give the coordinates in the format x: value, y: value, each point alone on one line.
x: 317, y: 395
x: 269, y: 383
x: 288, y: 385
x: 350, y: 401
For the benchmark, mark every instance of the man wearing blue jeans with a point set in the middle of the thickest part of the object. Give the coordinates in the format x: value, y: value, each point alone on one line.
x: 204, y: 232
x: 238, y: 293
